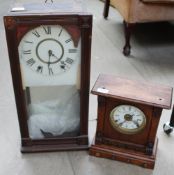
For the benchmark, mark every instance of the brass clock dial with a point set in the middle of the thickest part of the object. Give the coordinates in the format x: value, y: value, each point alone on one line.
x: 48, y: 50
x: 127, y: 119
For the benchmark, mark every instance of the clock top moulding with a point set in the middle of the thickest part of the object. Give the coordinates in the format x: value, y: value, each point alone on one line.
x: 26, y: 15
x: 131, y: 90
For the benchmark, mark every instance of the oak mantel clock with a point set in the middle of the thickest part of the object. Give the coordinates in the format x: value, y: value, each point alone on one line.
x: 49, y: 50
x: 128, y: 116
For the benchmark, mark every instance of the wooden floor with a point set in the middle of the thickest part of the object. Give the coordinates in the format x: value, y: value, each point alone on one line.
x: 151, y: 60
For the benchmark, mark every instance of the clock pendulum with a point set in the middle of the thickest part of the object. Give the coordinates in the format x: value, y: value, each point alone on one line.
x: 128, y: 116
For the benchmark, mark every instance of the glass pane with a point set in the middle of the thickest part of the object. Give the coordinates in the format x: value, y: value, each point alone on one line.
x: 50, y: 67
x: 53, y: 111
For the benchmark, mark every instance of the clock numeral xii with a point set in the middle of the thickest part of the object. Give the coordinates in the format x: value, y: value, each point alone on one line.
x: 47, y: 30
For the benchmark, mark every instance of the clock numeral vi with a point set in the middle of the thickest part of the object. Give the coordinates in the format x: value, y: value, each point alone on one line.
x: 47, y: 30
x: 50, y: 71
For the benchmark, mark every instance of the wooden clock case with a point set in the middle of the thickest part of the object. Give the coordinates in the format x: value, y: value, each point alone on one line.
x: 140, y: 148
x: 78, y: 24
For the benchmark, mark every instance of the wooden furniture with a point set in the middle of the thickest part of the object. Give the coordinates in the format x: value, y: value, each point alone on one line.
x: 128, y: 116
x: 169, y: 126
x: 135, y: 11
x: 49, y: 50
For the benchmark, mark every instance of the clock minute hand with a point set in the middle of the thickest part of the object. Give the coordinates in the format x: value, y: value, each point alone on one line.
x: 58, y: 59
x: 49, y: 57
x: 136, y: 123
x: 120, y: 124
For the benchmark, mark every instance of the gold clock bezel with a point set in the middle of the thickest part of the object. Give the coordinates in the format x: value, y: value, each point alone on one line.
x: 125, y: 130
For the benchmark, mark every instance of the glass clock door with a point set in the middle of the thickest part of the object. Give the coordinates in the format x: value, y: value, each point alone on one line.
x: 50, y: 68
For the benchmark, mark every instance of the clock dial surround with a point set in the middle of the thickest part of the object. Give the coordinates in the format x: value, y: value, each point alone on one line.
x: 127, y: 119
x: 48, y: 50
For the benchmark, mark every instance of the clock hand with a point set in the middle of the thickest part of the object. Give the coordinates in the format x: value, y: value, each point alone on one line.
x: 132, y: 115
x: 49, y: 57
x: 58, y: 59
x: 49, y: 54
x: 120, y: 124
x: 136, y: 123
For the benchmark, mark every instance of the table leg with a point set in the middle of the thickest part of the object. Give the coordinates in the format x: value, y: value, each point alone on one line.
x: 128, y: 27
x: 106, y: 8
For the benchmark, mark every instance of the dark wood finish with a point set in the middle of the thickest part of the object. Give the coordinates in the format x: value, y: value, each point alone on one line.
x: 28, y: 96
x: 125, y: 155
x: 172, y: 118
x: 78, y: 24
x: 139, y: 148
x: 128, y: 27
x: 109, y: 131
x: 106, y: 8
x: 169, y: 126
x: 136, y: 91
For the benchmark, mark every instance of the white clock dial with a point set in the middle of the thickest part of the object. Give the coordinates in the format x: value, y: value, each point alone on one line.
x: 48, y: 50
x: 127, y: 119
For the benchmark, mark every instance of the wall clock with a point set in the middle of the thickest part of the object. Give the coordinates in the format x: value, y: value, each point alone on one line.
x: 49, y: 50
x: 128, y: 116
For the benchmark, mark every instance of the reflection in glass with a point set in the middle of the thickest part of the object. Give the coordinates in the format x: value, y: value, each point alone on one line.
x: 53, y: 111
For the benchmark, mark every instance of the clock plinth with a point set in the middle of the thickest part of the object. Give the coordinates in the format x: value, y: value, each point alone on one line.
x: 128, y: 116
x: 125, y: 155
x: 50, y: 145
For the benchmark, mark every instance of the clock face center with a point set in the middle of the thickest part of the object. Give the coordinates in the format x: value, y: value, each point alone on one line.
x: 49, y: 51
x: 128, y: 117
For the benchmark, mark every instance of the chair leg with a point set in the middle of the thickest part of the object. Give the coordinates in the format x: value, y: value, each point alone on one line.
x: 169, y: 126
x: 106, y: 9
x: 128, y: 27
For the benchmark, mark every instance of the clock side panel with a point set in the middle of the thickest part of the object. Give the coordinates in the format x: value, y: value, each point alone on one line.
x: 141, y: 137
x: 85, y: 22
x: 10, y: 24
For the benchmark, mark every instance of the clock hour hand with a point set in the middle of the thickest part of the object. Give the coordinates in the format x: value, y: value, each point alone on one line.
x: 136, y: 123
x: 120, y: 124
x: 53, y: 55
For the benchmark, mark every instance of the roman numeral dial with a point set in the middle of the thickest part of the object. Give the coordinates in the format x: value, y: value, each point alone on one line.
x: 127, y: 119
x: 48, y: 50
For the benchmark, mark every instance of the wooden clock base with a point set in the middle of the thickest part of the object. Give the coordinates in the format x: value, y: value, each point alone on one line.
x: 51, y: 148
x: 125, y: 155
x: 55, y: 144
